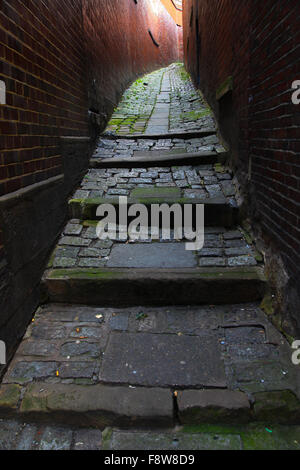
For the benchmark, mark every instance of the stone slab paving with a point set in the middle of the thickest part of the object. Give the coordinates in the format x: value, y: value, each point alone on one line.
x: 255, y: 437
x: 204, y: 182
x: 188, y: 361
x: 16, y: 435
x: 176, y: 441
x: 152, y: 255
x: 161, y: 348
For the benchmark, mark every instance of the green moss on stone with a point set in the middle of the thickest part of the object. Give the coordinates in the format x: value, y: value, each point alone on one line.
x: 196, y: 115
x: 266, y: 437
x: 219, y: 168
x: 9, y: 396
x: 211, y: 429
x: 267, y: 304
x: 89, y: 223
x: 155, y: 192
x: 258, y: 256
x: 106, y: 438
x: 51, y: 260
x: 280, y: 406
x: 33, y: 403
x: 91, y: 273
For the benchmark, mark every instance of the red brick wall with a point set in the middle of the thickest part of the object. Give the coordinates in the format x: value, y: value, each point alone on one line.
x: 223, y: 51
x: 41, y: 62
x: 47, y: 51
x: 119, y: 46
x: 275, y: 120
x: 257, y: 43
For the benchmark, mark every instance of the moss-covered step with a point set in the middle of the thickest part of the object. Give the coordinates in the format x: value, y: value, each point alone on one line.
x: 196, y: 407
x: 93, y: 405
x: 127, y: 287
x: 161, y: 159
x: 218, y: 211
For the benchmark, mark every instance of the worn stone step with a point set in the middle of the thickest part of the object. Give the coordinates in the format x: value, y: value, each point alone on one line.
x: 167, y: 135
x: 154, y: 264
x: 146, y: 159
x: 100, y: 406
x: 218, y: 211
x: 211, y: 185
x: 128, y: 286
x: 151, y: 367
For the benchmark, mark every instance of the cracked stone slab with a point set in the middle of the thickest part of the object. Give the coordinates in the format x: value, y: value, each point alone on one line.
x: 163, y: 360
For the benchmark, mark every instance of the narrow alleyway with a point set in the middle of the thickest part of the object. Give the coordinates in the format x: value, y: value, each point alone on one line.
x: 147, y: 335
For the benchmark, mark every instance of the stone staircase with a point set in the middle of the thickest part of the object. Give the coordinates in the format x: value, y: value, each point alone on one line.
x: 146, y: 334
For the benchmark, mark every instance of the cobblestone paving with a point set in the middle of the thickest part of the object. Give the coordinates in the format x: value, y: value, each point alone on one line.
x: 188, y: 110
x: 202, y: 182
x: 137, y: 105
x: 79, y: 246
x: 163, y: 101
x: 109, y: 148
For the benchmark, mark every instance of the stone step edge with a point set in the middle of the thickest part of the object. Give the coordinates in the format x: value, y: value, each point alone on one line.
x: 206, y: 132
x: 180, y: 159
x: 218, y: 211
x: 153, y: 287
x: 103, y: 406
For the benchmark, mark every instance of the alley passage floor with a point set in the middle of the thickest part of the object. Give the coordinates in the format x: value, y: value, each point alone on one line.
x: 145, y: 344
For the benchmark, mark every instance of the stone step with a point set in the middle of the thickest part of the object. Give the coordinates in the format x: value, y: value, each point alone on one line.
x: 218, y: 211
x: 101, y: 406
x: 211, y: 185
x: 154, y: 269
x: 146, y: 159
x: 128, y: 286
x: 151, y: 367
x: 167, y: 135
